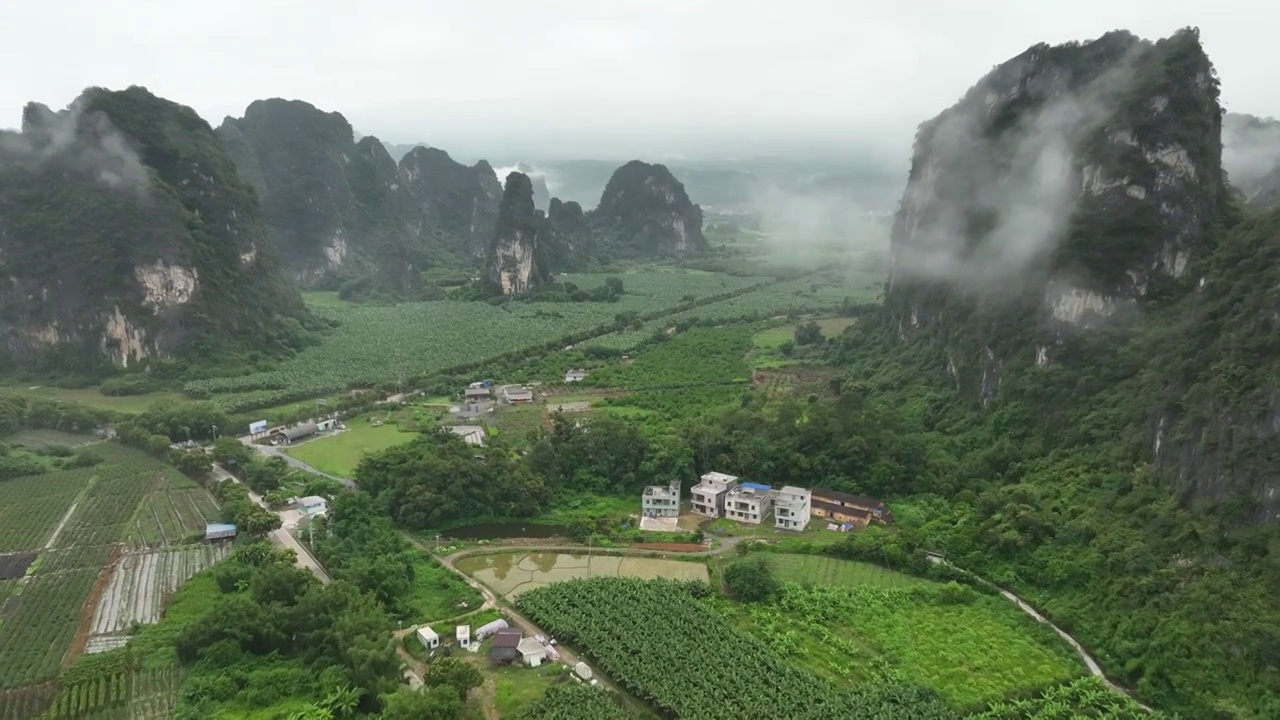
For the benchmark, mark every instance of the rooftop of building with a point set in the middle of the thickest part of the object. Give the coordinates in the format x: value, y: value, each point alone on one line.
x: 718, y: 477
x: 749, y: 491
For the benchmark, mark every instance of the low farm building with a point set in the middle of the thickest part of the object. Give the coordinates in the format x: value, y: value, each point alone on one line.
x: 470, y: 434
x: 293, y: 434
x: 505, y: 647
x: 219, y: 531
x: 488, y: 629
x: 532, y: 652
x: 842, y: 507
x: 575, y: 375
x: 429, y: 638
x: 515, y: 395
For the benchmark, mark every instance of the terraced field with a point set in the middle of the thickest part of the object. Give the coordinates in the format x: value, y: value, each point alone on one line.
x: 141, y: 585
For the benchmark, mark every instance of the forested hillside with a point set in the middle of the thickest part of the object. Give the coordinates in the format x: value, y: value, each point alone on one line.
x: 1099, y: 432
x: 126, y: 234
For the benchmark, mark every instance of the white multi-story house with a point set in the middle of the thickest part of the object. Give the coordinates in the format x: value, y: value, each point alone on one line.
x: 749, y: 503
x: 791, y: 508
x: 661, y: 501
x: 708, y: 495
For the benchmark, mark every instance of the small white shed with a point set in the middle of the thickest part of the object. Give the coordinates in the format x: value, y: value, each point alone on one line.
x: 582, y: 670
x: 463, y: 636
x: 430, y: 638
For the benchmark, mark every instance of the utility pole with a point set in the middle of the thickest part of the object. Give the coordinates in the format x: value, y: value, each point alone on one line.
x: 215, y: 433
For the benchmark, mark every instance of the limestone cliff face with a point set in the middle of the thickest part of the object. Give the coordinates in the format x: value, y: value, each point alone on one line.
x: 298, y: 158
x: 126, y: 233
x: 457, y: 205
x: 1069, y: 186
x: 565, y: 239
x: 513, y: 255
x: 339, y: 208
x: 645, y: 210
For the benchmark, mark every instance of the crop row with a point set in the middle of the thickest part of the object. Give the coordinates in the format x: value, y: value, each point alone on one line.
x: 171, y: 516
x: 668, y: 664
x: 31, y: 507
x: 103, y: 515
x: 143, y: 581
x: 35, y: 635
x: 137, y: 695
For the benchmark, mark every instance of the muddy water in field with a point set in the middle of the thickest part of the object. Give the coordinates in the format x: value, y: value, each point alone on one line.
x: 510, y: 574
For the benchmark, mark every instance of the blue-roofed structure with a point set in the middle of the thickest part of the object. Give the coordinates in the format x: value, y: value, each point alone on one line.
x: 219, y: 531
x: 755, y: 486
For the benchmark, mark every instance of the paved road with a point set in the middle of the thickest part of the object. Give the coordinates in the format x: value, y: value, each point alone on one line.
x: 288, y: 521
x: 1094, y: 668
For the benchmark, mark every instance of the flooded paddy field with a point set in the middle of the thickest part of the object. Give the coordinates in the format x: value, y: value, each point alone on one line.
x: 511, y: 573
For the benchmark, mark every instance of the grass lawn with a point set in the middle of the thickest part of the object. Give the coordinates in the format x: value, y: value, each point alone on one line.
x: 438, y: 593
x: 817, y: 531
x: 518, y: 421
x: 824, y: 570
x: 339, y: 454
x: 517, y: 686
x: 132, y: 404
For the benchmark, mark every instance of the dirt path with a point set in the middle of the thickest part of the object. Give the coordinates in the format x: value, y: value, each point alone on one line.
x: 1092, y: 664
x: 58, y: 530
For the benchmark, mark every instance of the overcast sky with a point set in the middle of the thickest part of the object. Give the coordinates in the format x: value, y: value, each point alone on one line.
x: 661, y: 79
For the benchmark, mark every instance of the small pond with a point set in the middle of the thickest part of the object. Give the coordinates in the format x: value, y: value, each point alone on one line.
x: 511, y: 573
x: 504, y: 530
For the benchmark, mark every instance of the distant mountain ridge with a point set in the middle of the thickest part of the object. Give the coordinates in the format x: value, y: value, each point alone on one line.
x: 343, y: 210
x: 127, y: 234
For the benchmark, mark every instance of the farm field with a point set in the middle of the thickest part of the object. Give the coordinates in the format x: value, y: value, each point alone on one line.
x: 339, y: 454
x: 375, y: 344
x: 131, y: 404
x: 49, y: 610
x: 636, y: 632
x: 812, y: 295
x: 700, y: 355
x: 970, y: 648
x: 825, y: 570
x: 31, y: 507
x: 512, y: 573
x: 139, y: 587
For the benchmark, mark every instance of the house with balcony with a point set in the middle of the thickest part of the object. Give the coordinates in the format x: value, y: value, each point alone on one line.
x: 661, y: 501
x: 749, y: 503
x: 792, y: 508
x: 708, y: 495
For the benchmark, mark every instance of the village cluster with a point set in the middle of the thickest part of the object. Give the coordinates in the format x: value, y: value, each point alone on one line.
x: 719, y: 495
